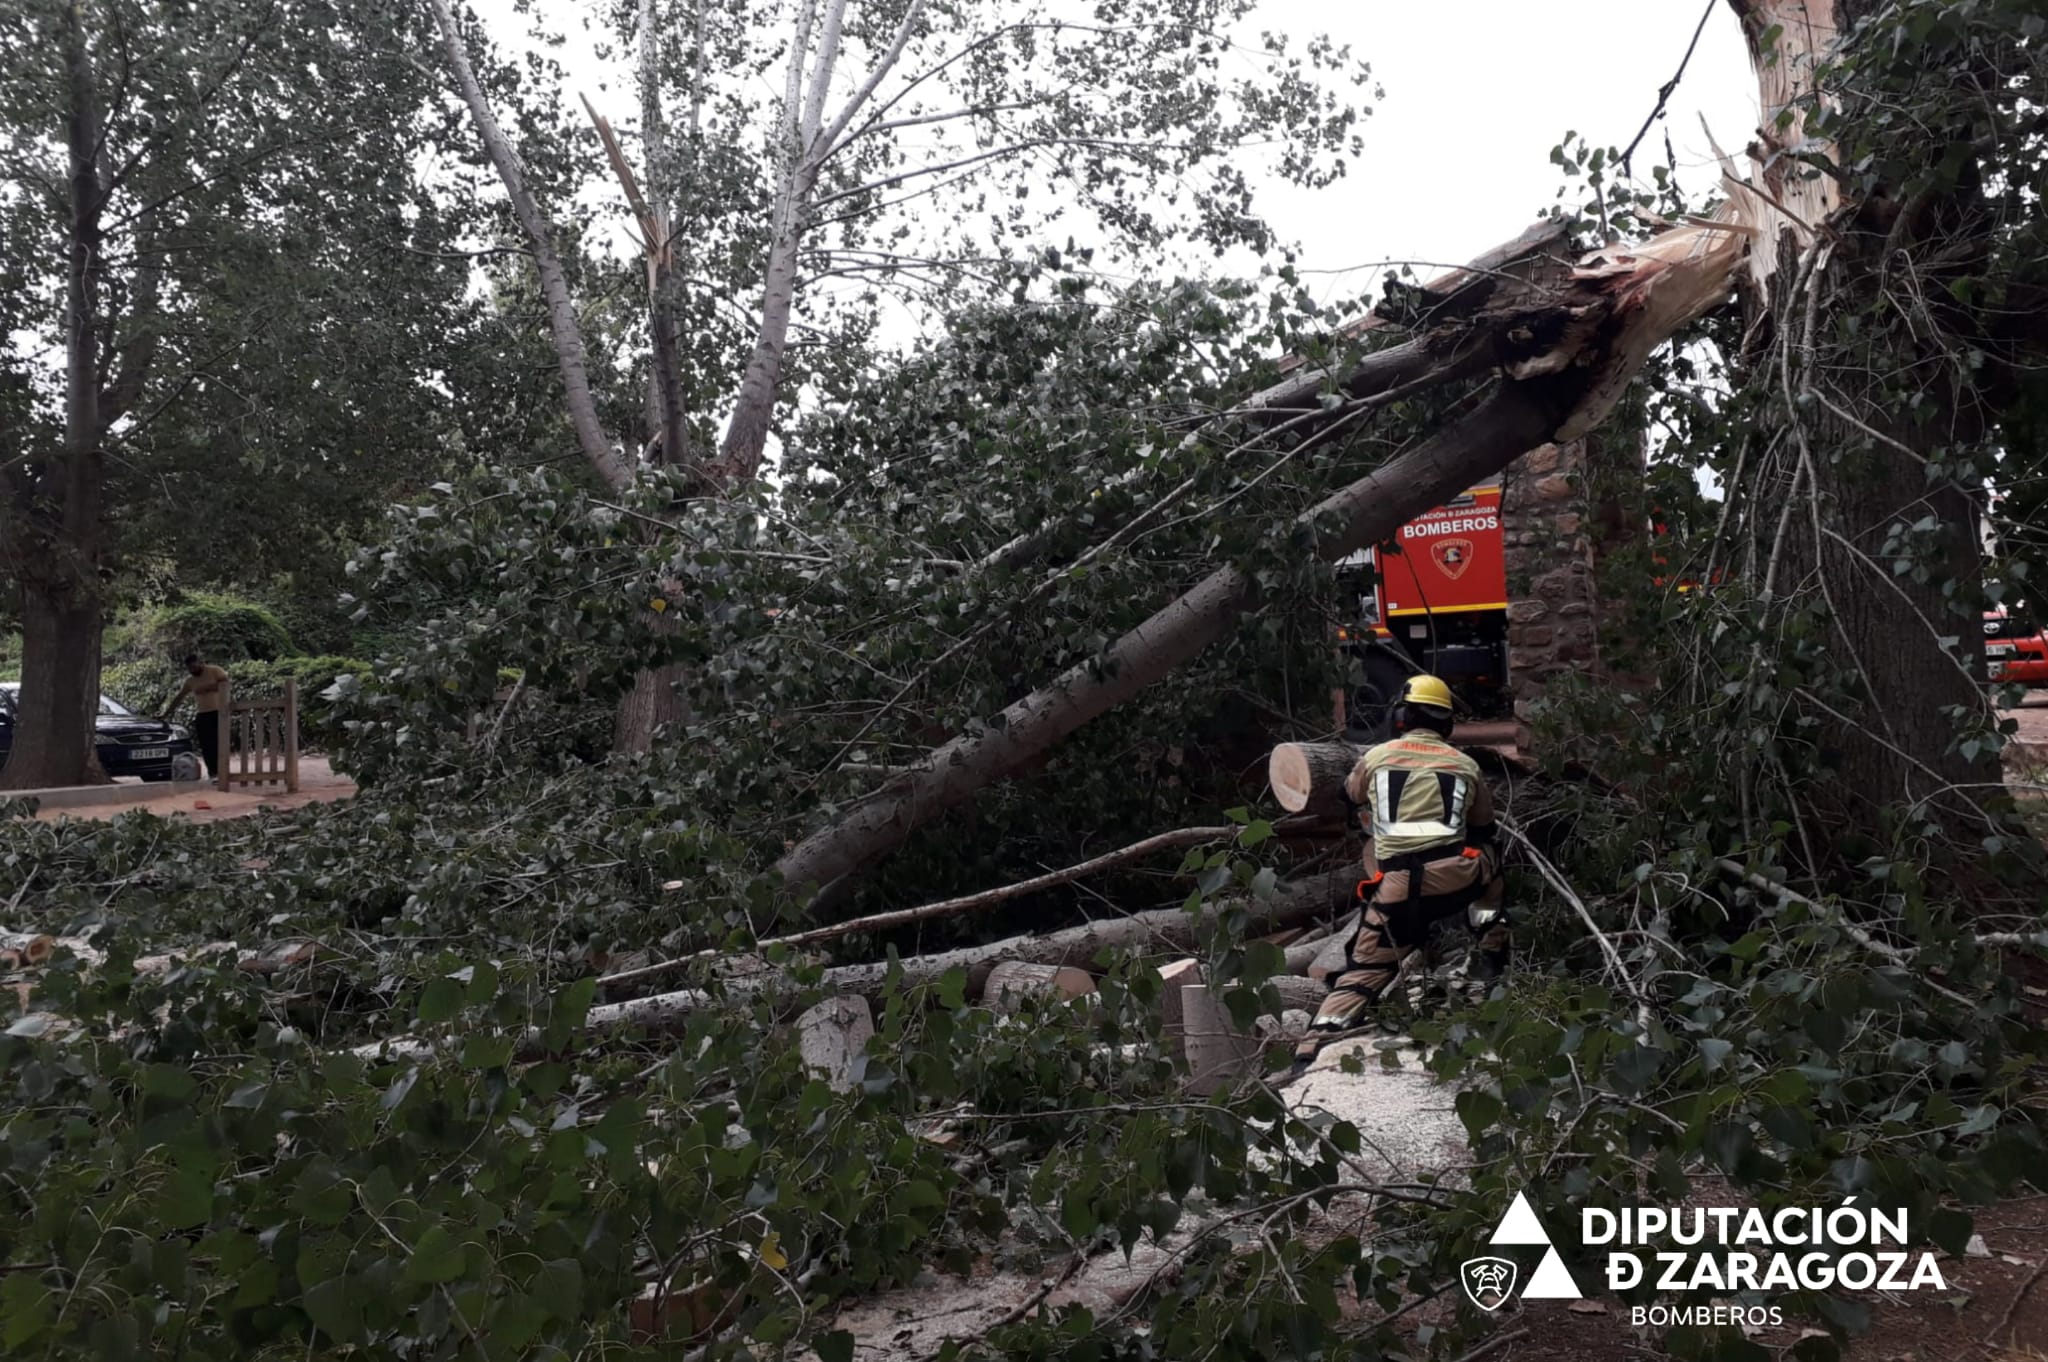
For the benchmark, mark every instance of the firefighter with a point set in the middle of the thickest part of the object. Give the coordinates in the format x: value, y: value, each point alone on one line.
x: 1429, y: 856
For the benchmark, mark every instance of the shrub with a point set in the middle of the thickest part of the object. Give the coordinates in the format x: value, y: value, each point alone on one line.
x: 141, y: 685
x: 220, y: 628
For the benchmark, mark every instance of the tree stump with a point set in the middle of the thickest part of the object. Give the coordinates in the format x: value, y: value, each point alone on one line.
x: 1297, y: 993
x: 1308, y: 777
x: 1173, y: 979
x: 833, y: 1040
x: 1014, y: 981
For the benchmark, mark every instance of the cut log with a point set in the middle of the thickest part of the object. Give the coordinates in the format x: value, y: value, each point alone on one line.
x: 1014, y: 983
x: 1308, y: 777
x: 832, y: 1039
x: 1218, y: 1053
x: 26, y: 948
x: 1297, y: 993
x: 1172, y: 979
x: 1334, y: 957
x: 1301, y: 957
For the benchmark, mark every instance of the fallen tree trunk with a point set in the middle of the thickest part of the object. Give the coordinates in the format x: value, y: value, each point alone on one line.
x: 1566, y: 342
x: 903, y: 917
x: 1308, y: 777
x: 1163, y: 931
x: 1515, y: 418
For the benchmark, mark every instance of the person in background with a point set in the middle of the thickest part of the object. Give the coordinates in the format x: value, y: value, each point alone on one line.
x: 207, y: 685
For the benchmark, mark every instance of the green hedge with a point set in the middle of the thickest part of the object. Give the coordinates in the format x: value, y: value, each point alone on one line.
x: 220, y: 628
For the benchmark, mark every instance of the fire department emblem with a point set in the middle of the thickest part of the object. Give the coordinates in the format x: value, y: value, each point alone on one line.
x: 1453, y: 556
x: 1488, y: 1282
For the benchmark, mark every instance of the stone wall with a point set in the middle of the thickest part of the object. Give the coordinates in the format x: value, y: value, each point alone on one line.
x: 1562, y: 508
x: 1553, y: 625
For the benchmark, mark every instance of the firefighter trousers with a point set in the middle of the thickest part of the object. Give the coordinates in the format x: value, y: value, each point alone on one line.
x: 1409, y: 902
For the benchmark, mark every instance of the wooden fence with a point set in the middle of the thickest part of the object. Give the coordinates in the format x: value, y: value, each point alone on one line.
x: 263, y: 736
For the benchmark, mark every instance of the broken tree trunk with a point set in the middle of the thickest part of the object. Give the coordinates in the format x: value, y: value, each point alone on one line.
x: 1515, y: 418
x: 1308, y: 777
x: 1566, y: 342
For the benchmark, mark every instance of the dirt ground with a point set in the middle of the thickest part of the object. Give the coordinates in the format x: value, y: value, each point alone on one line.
x: 318, y: 784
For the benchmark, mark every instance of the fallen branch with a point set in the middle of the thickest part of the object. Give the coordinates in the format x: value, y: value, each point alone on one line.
x: 1557, y: 882
x: 1833, y: 916
x: 899, y: 917
x: 1165, y: 931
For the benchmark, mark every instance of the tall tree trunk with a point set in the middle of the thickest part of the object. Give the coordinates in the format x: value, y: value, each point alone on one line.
x: 746, y: 435
x: 664, y: 332
x: 60, y: 532
x: 1849, y: 472
x: 655, y: 701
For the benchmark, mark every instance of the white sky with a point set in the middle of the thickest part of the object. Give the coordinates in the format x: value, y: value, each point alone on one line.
x: 1457, y: 156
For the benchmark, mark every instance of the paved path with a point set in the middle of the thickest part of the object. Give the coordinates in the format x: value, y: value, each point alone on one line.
x: 318, y: 784
x: 2033, y: 717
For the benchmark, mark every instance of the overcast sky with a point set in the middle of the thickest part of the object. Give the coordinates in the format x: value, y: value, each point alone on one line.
x: 1457, y: 156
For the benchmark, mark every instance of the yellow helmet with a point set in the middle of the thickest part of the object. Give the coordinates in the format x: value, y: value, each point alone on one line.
x: 1427, y: 691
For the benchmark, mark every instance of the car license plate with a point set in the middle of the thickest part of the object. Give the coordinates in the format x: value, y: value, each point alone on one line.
x: 150, y: 753
x: 2000, y: 649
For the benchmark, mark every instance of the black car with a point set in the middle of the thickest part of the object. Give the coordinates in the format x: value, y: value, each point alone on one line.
x: 127, y: 743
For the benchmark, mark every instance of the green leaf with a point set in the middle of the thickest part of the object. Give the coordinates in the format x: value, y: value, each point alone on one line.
x: 440, y: 1000
x: 836, y: 1346
x: 335, y: 1309
x: 436, y: 1258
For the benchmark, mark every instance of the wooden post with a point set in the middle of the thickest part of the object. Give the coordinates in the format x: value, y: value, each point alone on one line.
x: 222, y: 742
x: 291, y: 735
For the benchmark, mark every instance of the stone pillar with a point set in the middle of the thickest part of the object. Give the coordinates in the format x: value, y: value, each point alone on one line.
x: 1563, y: 509
x: 1552, y: 597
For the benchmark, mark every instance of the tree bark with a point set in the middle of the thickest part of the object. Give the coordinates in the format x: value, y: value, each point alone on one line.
x: 563, y: 327
x: 746, y: 435
x: 1853, y: 469
x: 1308, y: 777
x: 58, y: 536
x: 658, y: 168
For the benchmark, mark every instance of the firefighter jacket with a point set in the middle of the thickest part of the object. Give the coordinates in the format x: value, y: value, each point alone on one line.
x: 1418, y: 794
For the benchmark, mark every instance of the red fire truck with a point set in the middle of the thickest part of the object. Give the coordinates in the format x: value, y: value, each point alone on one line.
x: 1435, y: 599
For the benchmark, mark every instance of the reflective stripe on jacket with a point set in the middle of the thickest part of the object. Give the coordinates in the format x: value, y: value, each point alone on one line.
x: 1417, y: 793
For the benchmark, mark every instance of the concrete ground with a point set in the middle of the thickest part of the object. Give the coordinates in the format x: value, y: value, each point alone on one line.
x: 2033, y: 720
x: 318, y: 784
